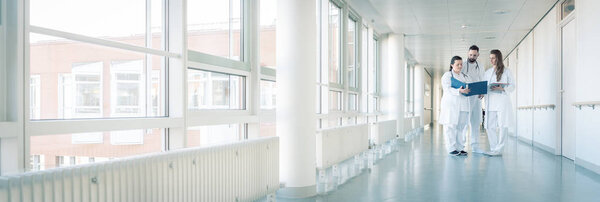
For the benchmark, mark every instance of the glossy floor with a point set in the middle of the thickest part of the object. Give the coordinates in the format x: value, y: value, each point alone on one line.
x: 422, y: 171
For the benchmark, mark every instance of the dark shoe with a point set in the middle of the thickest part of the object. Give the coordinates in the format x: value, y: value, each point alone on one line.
x: 455, y: 153
x: 462, y: 153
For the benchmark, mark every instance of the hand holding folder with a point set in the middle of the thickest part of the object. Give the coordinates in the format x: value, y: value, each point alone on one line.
x: 477, y: 88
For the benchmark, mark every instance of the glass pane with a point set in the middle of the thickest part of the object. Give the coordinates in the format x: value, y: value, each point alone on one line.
x: 50, y: 151
x: 116, y: 20
x: 335, y: 100
x: 215, y: 135
x: 268, y: 129
x: 351, y: 50
x: 334, y: 122
x: 211, y: 90
x: 215, y: 27
x: 267, y: 94
x: 268, y: 19
x: 352, y: 102
x: 567, y: 8
x: 373, y: 105
x: 334, y: 44
x: 365, y: 52
x: 79, y: 80
x: 34, y: 97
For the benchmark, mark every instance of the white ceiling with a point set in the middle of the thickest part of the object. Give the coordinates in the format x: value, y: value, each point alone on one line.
x: 434, y: 28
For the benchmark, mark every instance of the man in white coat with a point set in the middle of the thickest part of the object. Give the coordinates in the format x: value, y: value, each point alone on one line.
x: 475, y: 73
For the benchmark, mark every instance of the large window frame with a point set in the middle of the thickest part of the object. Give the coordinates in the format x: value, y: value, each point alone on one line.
x: 354, y: 97
x: 246, y: 37
x: 172, y: 56
x: 176, y: 59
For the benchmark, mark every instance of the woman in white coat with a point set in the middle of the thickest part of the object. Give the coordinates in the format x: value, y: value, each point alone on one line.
x: 454, y: 113
x: 498, y: 106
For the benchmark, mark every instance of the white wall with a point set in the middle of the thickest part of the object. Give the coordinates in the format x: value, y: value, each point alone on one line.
x: 545, y: 91
x: 512, y: 64
x: 524, y: 88
x: 437, y: 94
x: 538, y: 70
x: 588, y: 43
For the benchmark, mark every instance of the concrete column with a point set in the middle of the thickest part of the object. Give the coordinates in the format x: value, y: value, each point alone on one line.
x: 393, y: 79
x: 297, y: 30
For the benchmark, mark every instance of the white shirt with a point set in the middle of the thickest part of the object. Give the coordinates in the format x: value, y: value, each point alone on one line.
x: 474, y: 70
x: 497, y: 101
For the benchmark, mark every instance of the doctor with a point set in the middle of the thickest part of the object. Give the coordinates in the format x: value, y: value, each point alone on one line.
x: 454, y: 113
x: 475, y: 72
x: 498, y: 106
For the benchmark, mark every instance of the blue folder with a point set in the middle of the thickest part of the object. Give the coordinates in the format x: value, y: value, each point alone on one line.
x: 477, y: 88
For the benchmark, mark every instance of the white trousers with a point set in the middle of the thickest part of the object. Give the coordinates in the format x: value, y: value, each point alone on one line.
x: 455, y: 136
x: 475, y: 123
x: 496, y: 135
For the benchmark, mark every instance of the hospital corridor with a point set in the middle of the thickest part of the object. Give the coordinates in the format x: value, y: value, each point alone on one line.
x: 299, y: 100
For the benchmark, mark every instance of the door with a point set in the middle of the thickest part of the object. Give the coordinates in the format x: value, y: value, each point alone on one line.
x: 428, y: 99
x: 569, y: 65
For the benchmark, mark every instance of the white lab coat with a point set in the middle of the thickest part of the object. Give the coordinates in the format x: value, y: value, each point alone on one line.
x: 452, y: 101
x: 500, y: 101
x: 475, y: 73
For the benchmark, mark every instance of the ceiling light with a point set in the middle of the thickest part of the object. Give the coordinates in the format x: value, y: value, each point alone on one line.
x: 464, y: 26
x: 501, y: 11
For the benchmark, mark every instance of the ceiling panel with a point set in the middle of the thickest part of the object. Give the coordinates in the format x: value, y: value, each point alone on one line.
x: 438, y: 29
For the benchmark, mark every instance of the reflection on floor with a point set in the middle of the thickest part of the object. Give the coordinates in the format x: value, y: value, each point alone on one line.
x: 422, y: 171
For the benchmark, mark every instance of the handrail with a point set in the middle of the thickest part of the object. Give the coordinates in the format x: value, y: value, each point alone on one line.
x: 545, y: 106
x: 535, y: 107
x: 591, y: 104
x: 525, y: 107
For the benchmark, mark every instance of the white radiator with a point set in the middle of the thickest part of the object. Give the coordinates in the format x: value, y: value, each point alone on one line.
x: 242, y: 171
x: 338, y: 144
x: 411, y: 123
x: 383, y: 131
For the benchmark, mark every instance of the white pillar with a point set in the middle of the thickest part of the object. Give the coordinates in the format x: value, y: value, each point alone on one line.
x: 296, y: 93
x: 419, y: 100
x: 393, y: 79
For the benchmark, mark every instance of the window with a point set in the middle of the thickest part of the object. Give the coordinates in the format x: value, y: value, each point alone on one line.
x: 352, y: 102
x: 87, y: 91
x: 37, y: 162
x: 216, y: 134
x: 215, y: 27
x: 95, y: 81
x: 130, y: 22
x: 268, y: 19
x: 373, y: 77
x: 335, y: 100
x: 211, y: 90
x: 83, y: 148
x: 335, y: 70
x: 267, y: 94
x: 567, y: 7
x: 352, y: 49
x: 34, y: 97
x: 127, y: 86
